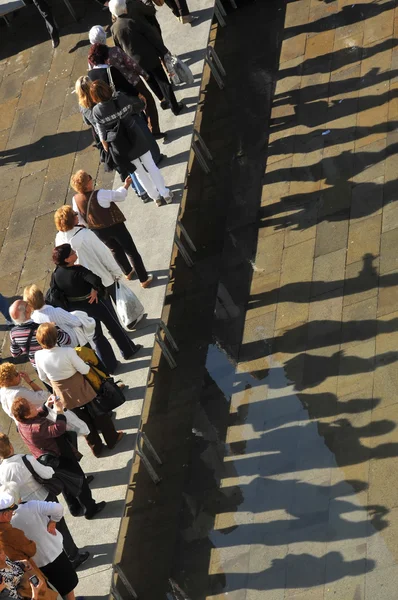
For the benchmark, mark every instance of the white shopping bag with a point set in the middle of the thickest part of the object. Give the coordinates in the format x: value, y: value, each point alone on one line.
x: 73, y: 423
x: 128, y: 307
x: 178, y: 71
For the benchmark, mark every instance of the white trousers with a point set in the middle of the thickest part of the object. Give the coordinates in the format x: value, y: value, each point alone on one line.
x: 150, y: 177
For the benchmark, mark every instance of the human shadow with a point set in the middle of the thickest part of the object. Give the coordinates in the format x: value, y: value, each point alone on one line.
x: 349, y: 15
x: 100, y: 554
x: 48, y: 146
x: 104, y: 479
x: 294, y: 571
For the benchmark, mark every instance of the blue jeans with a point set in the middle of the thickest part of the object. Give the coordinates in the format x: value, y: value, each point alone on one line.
x: 4, y: 308
x: 137, y: 187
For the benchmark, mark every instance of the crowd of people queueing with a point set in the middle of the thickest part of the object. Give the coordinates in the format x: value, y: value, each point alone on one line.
x: 60, y: 332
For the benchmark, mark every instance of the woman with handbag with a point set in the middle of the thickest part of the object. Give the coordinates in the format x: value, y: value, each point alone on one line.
x: 25, y: 471
x: 97, y: 210
x: 47, y: 442
x: 120, y: 132
x: 84, y: 291
x: 66, y: 372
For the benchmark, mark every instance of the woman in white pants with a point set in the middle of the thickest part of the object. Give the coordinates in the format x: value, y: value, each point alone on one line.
x: 116, y: 122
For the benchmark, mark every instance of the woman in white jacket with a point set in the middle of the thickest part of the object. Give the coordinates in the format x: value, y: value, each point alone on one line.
x: 91, y: 252
x: 38, y: 519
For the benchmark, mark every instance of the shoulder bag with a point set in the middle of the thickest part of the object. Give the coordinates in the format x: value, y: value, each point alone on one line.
x: 53, y: 485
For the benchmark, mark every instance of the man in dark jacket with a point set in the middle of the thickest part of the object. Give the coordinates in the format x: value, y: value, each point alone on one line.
x: 141, y: 41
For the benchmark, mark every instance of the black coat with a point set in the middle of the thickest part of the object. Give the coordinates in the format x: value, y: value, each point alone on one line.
x: 140, y: 41
x: 120, y: 82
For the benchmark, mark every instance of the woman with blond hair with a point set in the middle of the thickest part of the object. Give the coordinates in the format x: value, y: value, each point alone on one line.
x: 128, y: 144
x: 63, y: 368
x: 79, y: 330
x: 97, y: 211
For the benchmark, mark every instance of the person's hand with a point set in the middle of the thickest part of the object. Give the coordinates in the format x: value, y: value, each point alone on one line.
x: 127, y: 182
x: 59, y: 407
x: 105, y: 145
x: 51, y: 528
x: 93, y: 298
x: 50, y: 401
x: 24, y: 376
x: 26, y: 565
x: 37, y: 589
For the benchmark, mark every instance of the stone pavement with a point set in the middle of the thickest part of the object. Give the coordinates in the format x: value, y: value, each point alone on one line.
x: 306, y: 501
x: 43, y: 142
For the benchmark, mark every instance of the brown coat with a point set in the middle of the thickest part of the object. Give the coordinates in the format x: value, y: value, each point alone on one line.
x: 18, y: 547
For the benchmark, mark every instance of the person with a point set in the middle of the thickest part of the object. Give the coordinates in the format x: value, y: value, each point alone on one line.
x: 139, y: 39
x: 23, y: 335
x: 91, y: 251
x: 16, y: 547
x: 12, y: 574
x: 65, y: 371
x: 4, y: 309
x: 43, y: 437
x: 144, y: 10
x: 180, y: 10
x: 80, y: 330
x: 38, y: 519
x: 107, y: 221
x: 84, y: 291
x: 14, y: 469
x: 46, y: 12
x: 11, y: 387
x: 131, y: 151
x: 113, y: 77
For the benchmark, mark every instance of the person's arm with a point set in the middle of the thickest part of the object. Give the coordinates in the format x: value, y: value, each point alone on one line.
x: 76, y: 210
x: 33, y: 385
x: 101, y: 129
x: 105, y: 197
x: 78, y: 363
x: 42, y: 470
x: 67, y: 318
x: 90, y: 277
x: 54, y: 510
x: 58, y: 428
x: 20, y: 543
x: 105, y: 256
x: 40, y: 371
x: 15, y: 349
x: 131, y: 64
x: 63, y: 338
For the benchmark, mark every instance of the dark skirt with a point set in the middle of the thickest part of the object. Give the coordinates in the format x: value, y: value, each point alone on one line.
x: 61, y: 574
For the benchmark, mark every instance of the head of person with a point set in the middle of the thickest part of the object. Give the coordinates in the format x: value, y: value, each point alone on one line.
x: 20, y: 311
x: 9, y: 498
x: 46, y: 335
x: 97, y: 35
x: 9, y: 375
x: 34, y: 297
x: 117, y: 7
x: 100, y: 92
x: 98, y: 54
x: 82, y: 182
x: 22, y: 410
x: 82, y: 89
x: 66, y: 218
x: 64, y: 256
x: 6, y: 448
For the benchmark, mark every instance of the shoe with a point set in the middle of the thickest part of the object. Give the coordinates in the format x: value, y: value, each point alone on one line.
x: 160, y: 135
x: 130, y: 276
x: 89, y: 478
x: 159, y: 202
x: 137, y: 349
x: 122, y: 386
x: 97, y: 453
x: 147, y: 283
x: 120, y: 436
x: 161, y: 157
x: 179, y: 108
x: 98, y: 507
x: 169, y: 199
x: 145, y: 198
x: 164, y: 105
x: 80, y: 559
x: 55, y: 39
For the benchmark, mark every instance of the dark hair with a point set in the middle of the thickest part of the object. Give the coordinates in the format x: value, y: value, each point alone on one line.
x: 100, y: 91
x: 60, y: 253
x: 98, y: 54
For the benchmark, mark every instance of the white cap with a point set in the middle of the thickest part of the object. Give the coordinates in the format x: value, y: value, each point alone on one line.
x: 117, y: 7
x: 6, y: 500
x: 97, y: 35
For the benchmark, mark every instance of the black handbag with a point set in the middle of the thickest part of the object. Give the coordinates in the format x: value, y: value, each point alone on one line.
x: 109, y: 396
x: 55, y: 296
x: 53, y: 486
x: 71, y: 481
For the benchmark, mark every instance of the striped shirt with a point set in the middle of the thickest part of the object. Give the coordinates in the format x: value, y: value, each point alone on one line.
x: 19, y: 338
